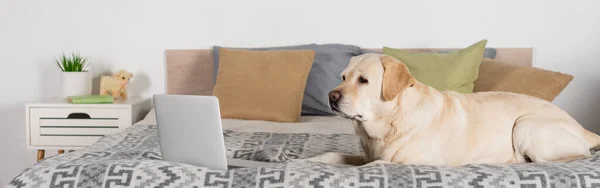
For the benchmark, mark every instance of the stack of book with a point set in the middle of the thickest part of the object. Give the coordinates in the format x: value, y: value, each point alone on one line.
x: 90, y: 99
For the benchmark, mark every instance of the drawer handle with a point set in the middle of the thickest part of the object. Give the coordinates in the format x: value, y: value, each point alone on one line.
x: 79, y: 116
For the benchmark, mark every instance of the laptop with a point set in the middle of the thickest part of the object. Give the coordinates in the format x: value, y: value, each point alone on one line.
x: 190, y: 132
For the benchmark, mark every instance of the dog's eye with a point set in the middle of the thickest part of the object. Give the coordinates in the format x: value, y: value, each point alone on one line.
x: 343, y: 78
x: 362, y: 80
x: 123, y: 78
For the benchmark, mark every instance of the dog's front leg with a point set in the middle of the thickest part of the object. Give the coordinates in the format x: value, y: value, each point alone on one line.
x: 339, y: 158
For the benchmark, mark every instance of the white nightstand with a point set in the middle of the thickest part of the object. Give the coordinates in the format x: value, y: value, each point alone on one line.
x: 56, y: 124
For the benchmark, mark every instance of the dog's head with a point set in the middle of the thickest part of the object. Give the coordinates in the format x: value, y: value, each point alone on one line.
x: 371, y: 85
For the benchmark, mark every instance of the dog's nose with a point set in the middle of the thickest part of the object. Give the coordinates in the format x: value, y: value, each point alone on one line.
x: 334, y: 96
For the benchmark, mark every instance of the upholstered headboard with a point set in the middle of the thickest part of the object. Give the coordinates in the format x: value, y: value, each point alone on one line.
x: 190, y: 71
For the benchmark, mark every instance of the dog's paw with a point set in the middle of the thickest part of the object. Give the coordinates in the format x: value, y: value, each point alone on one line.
x: 328, y: 158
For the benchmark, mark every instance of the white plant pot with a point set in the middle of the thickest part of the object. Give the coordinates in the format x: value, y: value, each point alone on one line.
x: 75, y: 84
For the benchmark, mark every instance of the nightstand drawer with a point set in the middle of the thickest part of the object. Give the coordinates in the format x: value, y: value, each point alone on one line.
x: 81, y: 113
x: 75, y: 126
x: 44, y: 131
x: 54, y: 123
x: 74, y: 123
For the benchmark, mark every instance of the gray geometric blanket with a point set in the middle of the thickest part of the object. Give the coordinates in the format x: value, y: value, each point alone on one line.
x: 132, y: 159
x: 280, y: 147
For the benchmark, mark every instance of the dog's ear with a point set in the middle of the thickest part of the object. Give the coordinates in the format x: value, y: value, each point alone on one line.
x: 396, y: 77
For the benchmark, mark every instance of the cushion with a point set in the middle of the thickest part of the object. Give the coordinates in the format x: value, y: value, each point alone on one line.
x: 489, y: 53
x: 216, y: 51
x: 454, y: 71
x: 540, y: 83
x: 330, y: 60
x: 262, y: 85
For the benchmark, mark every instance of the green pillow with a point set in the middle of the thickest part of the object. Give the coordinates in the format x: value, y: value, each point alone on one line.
x: 455, y: 71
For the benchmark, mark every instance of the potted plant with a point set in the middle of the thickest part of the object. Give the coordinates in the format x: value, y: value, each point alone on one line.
x: 75, y: 80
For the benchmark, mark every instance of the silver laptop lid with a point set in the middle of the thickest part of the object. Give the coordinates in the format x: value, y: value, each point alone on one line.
x: 190, y: 130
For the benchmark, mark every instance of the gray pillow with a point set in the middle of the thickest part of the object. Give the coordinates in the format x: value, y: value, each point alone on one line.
x: 330, y: 61
x: 489, y: 53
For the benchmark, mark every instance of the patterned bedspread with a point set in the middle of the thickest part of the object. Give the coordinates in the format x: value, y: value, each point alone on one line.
x: 132, y: 159
x: 280, y: 147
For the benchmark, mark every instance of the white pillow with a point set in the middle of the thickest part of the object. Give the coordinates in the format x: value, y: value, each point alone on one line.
x: 150, y: 119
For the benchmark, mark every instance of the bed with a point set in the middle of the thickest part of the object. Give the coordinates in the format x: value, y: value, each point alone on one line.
x: 132, y: 158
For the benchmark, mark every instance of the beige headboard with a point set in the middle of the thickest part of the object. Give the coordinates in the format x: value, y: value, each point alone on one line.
x: 190, y: 72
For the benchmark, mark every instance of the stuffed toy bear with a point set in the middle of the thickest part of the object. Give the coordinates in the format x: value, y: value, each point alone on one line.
x: 115, y: 85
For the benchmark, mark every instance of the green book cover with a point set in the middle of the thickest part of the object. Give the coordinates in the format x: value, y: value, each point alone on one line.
x: 91, y: 99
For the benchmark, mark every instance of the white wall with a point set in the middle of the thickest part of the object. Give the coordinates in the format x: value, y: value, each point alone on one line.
x: 133, y: 34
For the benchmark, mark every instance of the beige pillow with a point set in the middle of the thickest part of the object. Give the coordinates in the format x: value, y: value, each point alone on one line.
x: 540, y: 83
x: 262, y: 85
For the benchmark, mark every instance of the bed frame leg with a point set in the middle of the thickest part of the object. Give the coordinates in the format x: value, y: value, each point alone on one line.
x: 40, y: 154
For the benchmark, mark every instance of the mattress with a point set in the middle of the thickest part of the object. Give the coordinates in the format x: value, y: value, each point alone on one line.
x: 132, y: 159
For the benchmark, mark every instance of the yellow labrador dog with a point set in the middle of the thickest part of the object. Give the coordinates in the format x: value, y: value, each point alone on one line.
x: 400, y: 120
